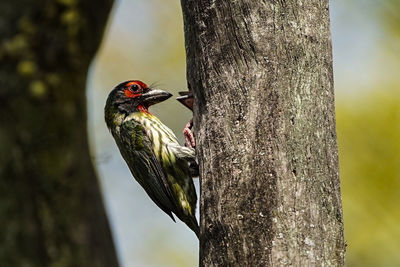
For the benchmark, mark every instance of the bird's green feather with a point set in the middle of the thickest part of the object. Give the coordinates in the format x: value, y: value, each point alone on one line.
x: 158, y: 163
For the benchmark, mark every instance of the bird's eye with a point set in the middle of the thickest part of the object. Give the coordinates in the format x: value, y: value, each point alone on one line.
x: 134, y: 88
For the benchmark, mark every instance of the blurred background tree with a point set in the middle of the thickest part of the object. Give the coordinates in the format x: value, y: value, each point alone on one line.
x: 51, y: 209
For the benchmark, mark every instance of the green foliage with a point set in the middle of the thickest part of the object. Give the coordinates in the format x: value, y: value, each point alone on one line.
x: 390, y: 16
x: 369, y: 147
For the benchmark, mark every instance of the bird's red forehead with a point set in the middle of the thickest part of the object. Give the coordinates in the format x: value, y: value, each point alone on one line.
x: 140, y: 83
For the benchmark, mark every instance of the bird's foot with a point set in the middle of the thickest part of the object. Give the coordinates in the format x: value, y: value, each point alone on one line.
x: 188, y: 134
x: 194, y: 169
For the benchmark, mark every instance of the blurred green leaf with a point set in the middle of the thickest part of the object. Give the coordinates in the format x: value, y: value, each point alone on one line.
x: 369, y: 147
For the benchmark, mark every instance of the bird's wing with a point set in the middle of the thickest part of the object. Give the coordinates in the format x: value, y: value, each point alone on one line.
x: 138, y: 153
x: 182, y: 152
x: 188, y: 154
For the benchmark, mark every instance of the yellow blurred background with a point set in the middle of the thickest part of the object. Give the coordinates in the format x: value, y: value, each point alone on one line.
x: 145, y: 41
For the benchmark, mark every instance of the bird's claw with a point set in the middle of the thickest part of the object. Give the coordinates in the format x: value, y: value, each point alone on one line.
x: 188, y: 134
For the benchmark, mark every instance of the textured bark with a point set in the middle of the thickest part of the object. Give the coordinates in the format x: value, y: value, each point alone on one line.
x: 51, y: 208
x: 264, y: 120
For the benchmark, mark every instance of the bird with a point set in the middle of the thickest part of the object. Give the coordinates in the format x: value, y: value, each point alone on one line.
x: 187, y: 99
x: 151, y: 150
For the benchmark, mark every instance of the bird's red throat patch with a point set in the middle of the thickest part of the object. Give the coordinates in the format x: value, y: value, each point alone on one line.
x: 144, y: 109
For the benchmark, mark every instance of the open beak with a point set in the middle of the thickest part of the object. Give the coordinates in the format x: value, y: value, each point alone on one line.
x: 186, y: 99
x: 154, y: 96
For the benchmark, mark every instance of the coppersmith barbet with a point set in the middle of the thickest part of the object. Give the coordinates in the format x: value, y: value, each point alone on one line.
x: 151, y: 150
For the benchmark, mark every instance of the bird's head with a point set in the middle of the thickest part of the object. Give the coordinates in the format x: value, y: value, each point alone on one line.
x: 134, y: 95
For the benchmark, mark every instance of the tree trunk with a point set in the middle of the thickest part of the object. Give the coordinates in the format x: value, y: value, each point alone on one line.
x: 51, y: 208
x: 264, y: 120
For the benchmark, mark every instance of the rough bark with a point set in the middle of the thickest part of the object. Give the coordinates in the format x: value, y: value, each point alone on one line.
x: 51, y: 208
x: 264, y: 120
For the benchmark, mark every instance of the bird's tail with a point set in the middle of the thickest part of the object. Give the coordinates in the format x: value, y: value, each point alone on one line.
x: 191, y: 222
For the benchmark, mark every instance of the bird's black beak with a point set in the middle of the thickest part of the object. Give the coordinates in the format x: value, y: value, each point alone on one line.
x: 186, y: 99
x: 154, y: 96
